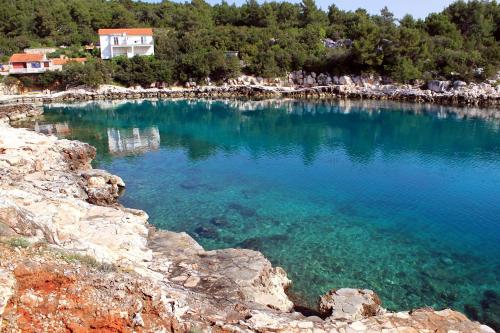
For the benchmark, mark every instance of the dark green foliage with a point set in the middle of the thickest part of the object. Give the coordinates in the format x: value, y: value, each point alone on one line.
x: 142, y: 71
x: 93, y: 73
x: 272, y: 38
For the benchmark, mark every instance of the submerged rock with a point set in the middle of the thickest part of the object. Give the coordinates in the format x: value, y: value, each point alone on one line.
x: 219, y: 222
x: 242, y: 210
x: 191, y: 184
x: 259, y: 243
x: 490, y: 306
x: 206, y: 232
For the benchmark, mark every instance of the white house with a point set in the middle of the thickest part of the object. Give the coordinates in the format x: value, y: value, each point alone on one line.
x: 23, y: 63
x: 126, y: 42
x: 33, y: 63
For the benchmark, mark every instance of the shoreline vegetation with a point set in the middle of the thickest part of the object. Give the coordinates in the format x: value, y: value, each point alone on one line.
x: 60, y: 221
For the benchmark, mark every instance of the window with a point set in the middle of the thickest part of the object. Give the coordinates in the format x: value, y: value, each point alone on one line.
x: 115, y: 40
x: 143, y: 40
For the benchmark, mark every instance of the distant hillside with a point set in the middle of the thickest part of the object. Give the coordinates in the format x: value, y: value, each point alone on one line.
x: 462, y: 42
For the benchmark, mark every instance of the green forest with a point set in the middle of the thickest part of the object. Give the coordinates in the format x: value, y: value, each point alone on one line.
x: 272, y: 38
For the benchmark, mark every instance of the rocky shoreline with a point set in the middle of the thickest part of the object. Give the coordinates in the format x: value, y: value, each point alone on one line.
x: 435, y: 92
x: 125, y: 275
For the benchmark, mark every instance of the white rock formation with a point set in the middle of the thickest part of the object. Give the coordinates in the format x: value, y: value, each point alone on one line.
x: 350, y: 304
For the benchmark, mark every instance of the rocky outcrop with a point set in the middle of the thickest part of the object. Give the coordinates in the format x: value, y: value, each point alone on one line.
x: 439, y: 86
x: 45, y: 196
x: 298, y: 85
x: 350, y: 304
x: 57, y: 293
x: 95, y: 265
x: 15, y: 112
x: 7, y: 284
x: 231, y: 273
x: 102, y: 188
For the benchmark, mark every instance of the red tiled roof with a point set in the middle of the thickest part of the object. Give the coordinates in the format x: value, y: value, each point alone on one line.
x: 128, y: 31
x: 59, y: 61
x: 26, y: 57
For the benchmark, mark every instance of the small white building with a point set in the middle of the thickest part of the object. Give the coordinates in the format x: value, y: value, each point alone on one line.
x: 126, y: 42
x: 26, y: 63
x: 33, y: 63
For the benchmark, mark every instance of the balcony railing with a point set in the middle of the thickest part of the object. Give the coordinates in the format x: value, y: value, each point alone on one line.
x: 128, y: 44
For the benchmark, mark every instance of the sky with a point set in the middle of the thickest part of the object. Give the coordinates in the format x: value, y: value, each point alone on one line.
x: 417, y: 8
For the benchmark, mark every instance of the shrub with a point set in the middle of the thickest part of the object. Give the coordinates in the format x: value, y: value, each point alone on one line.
x: 89, y: 261
x: 93, y: 73
x: 18, y: 242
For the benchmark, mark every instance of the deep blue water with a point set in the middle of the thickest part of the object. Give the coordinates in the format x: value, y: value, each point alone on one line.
x: 398, y: 200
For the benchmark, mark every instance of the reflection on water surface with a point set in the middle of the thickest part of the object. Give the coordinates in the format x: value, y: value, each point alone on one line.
x: 402, y: 199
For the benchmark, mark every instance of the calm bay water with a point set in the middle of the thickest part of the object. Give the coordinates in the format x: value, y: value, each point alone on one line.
x: 370, y: 196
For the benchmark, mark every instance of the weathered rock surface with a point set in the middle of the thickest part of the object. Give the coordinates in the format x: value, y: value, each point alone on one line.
x: 103, y: 268
x: 439, y: 86
x: 43, y: 197
x: 55, y: 294
x: 298, y: 84
x: 102, y: 188
x: 350, y: 304
x: 15, y: 112
x: 7, y: 285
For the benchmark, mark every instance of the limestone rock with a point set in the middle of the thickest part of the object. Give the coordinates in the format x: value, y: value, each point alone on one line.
x: 15, y: 112
x: 15, y: 221
x: 346, y: 80
x: 350, y: 304
x: 309, y: 80
x: 367, y: 87
x: 102, y: 187
x: 459, y: 84
x: 438, y: 86
x: 7, y: 284
x: 231, y: 273
x: 78, y: 155
x: 50, y: 205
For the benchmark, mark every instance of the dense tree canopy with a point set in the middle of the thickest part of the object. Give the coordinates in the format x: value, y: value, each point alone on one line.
x: 272, y: 38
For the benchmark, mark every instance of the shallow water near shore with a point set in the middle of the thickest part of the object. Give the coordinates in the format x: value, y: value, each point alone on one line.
x: 402, y: 200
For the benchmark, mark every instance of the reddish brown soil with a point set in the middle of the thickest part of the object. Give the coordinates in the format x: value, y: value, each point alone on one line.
x: 55, y: 296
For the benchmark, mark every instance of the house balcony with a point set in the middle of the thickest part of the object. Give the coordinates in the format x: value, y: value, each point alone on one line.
x: 129, y: 44
x: 131, y: 50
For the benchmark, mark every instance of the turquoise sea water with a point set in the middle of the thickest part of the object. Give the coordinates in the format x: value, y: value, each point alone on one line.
x: 379, y: 196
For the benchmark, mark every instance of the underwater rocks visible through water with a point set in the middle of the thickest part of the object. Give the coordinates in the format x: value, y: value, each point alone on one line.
x: 397, y: 199
x: 181, y: 286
